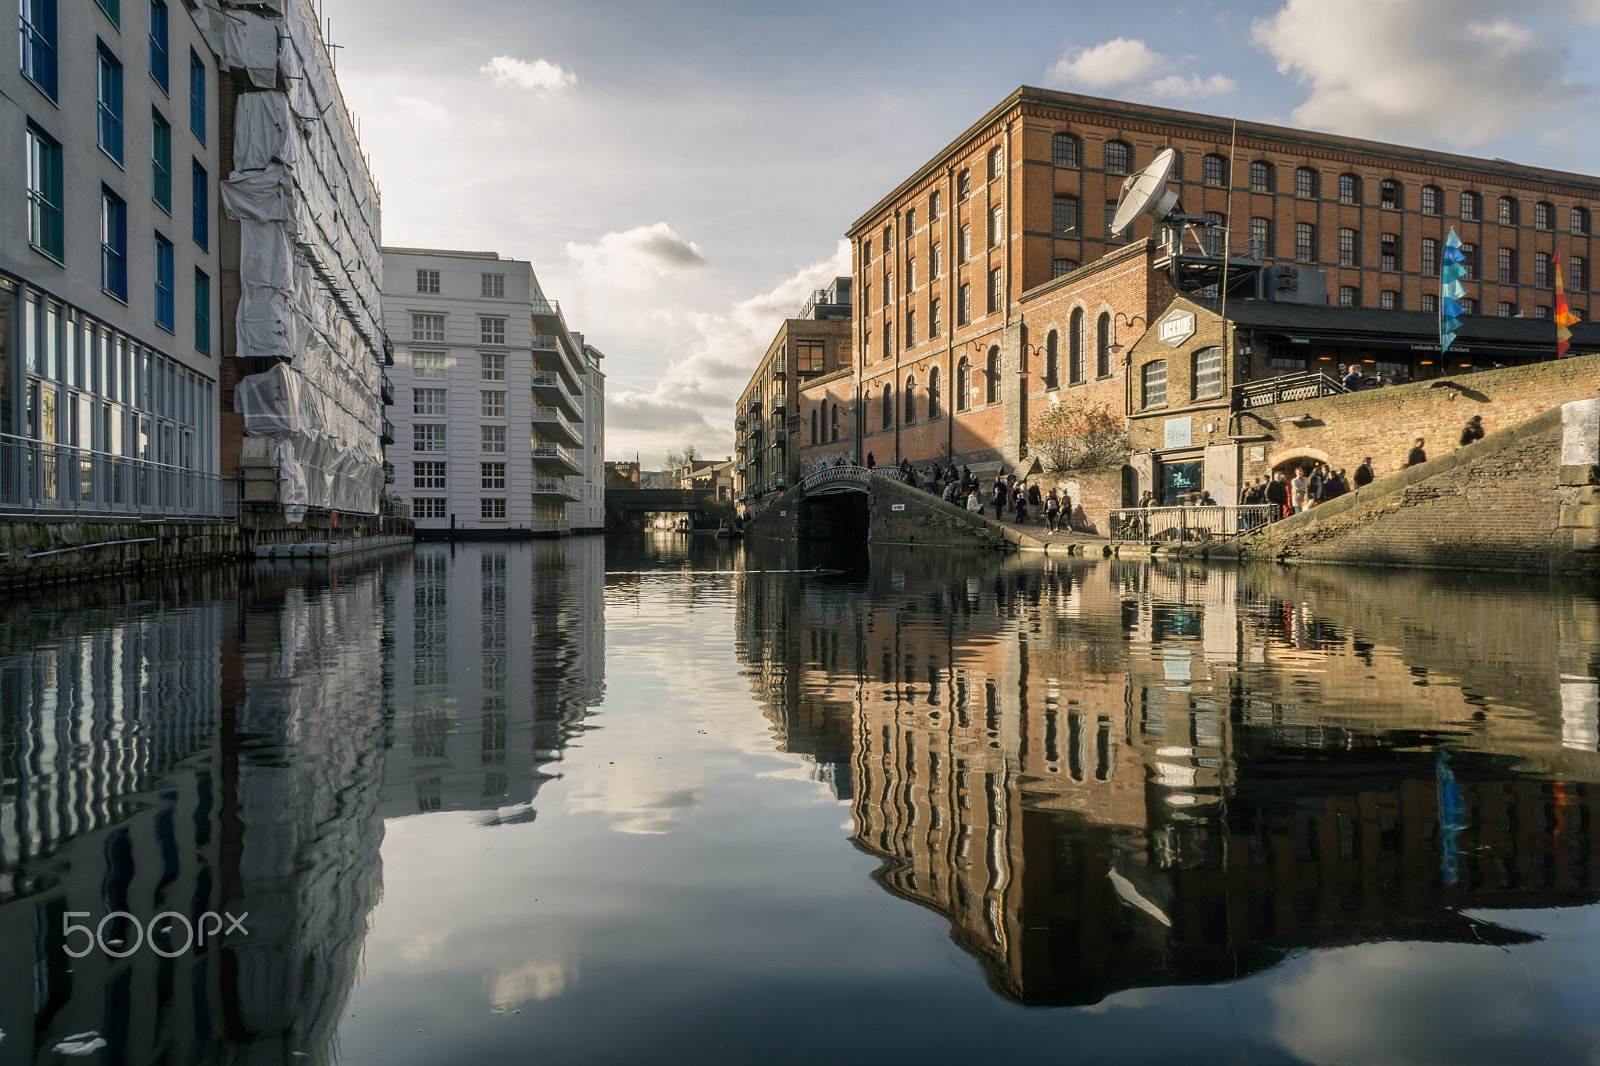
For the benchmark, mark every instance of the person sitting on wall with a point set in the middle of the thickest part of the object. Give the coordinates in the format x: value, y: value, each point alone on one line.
x: 974, y: 504
x: 1472, y: 431
x: 950, y: 492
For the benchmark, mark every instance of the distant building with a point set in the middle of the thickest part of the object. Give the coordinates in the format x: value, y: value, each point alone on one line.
x: 814, y: 343
x: 482, y: 358
x: 622, y: 476
x: 588, y: 515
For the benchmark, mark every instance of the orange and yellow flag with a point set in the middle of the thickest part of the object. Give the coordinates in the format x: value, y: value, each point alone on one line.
x: 1564, y: 316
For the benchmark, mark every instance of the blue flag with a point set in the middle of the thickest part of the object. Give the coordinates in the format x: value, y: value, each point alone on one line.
x: 1451, y: 291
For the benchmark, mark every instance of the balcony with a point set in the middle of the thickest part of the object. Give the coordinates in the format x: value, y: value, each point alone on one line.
x: 739, y: 423
x: 780, y: 437
x: 779, y: 406
x: 556, y: 486
x: 547, y: 342
x: 778, y: 372
x: 386, y: 390
x: 556, y: 455
x: 755, y: 430
x: 753, y: 408
x: 739, y: 465
x: 551, y: 418
x: 548, y: 388
x: 386, y: 434
x: 388, y: 472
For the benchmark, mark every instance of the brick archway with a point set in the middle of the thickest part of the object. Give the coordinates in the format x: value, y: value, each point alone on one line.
x: 1288, y: 456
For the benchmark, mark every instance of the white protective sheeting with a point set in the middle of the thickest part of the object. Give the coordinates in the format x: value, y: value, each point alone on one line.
x: 309, y: 265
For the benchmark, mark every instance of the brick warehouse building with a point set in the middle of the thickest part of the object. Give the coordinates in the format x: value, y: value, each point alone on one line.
x: 966, y: 268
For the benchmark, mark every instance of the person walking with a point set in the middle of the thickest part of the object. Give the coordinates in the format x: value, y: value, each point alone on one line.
x: 1278, y: 495
x: 871, y: 462
x: 1019, y: 504
x: 930, y: 478
x: 1052, y: 510
x: 1066, y: 510
x: 1364, y: 472
x: 997, y: 500
x: 1472, y: 431
x: 1035, y: 500
x: 1300, y: 490
x: 1416, y: 456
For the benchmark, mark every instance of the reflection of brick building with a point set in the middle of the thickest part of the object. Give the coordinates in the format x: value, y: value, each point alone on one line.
x: 1090, y: 771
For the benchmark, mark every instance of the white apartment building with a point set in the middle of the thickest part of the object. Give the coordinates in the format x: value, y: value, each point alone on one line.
x: 109, y: 262
x: 490, y: 397
x: 588, y: 515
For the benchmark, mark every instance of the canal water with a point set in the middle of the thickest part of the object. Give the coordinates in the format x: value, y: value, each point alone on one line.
x: 675, y: 799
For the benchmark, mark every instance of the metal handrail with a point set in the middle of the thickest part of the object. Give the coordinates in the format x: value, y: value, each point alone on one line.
x: 1290, y: 388
x: 1187, y: 525
x: 42, y: 479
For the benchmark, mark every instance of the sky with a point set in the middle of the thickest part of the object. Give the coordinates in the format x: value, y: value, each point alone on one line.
x: 681, y: 175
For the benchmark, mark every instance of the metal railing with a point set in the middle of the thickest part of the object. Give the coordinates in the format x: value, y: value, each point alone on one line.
x: 57, y: 480
x: 546, y: 450
x: 1187, y: 525
x: 1291, y: 388
x: 550, y: 486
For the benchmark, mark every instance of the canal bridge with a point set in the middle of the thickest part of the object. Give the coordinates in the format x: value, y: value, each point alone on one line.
x: 622, y: 505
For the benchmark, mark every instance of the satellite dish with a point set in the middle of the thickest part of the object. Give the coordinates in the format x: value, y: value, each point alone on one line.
x: 1146, y: 193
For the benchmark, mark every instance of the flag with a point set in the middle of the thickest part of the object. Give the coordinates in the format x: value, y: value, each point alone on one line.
x: 1564, y: 316
x: 1451, y: 290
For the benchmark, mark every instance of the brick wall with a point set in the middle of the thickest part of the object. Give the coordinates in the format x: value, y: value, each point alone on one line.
x: 1383, y: 422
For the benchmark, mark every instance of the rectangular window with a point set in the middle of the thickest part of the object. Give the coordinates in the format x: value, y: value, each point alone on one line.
x: 911, y: 275
x: 1064, y: 215
x: 1388, y: 251
x: 427, y: 281
x: 113, y: 245
x: 494, y: 438
x: 1506, y: 310
x: 427, y: 474
x: 494, y: 403
x: 1260, y: 238
x: 1469, y: 261
x: 202, y: 204
x: 45, y: 230
x: 1347, y: 247
x: 1213, y: 171
x: 1430, y: 200
x: 1541, y: 270
x: 493, y: 476
x: 39, y: 44
x: 164, y: 282
x: 911, y: 327
x: 1349, y: 296
x: 1577, y: 274
x: 1155, y: 383
x: 427, y: 401
x: 1506, y: 266
x: 494, y: 285
x: 1062, y: 267
x: 1305, y: 242
x: 963, y: 243
x: 427, y: 438
x: 202, y: 312
x: 933, y: 316
x: 1430, y: 302
x: 964, y: 304
x: 113, y: 10
x: 160, y: 161
x: 492, y: 367
x: 1111, y: 213
x: 428, y: 365
x: 1305, y: 183
x: 491, y: 331
x: 492, y: 509
x: 108, y: 98
x: 427, y: 328
x: 197, y: 96
x: 997, y: 293
x: 996, y: 228
x: 1430, y: 256
x: 1208, y: 373
x: 935, y: 261
x: 158, y: 43
x: 1389, y: 300
x: 1469, y: 305
x: 428, y: 507
x: 809, y: 356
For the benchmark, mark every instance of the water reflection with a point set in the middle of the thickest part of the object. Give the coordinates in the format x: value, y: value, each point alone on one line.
x: 1109, y: 775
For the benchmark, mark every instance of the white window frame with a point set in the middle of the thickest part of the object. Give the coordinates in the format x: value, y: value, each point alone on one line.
x: 491, y: 330
x: 493, y: 439
x: 492, y: 366
x: 494, y: 403
x: 494, y: 285
x: 422, y: 328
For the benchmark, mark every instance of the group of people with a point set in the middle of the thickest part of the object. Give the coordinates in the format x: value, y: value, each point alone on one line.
x: 1021, y: 501
x: 1355, y: 379
x: 1310, y: 486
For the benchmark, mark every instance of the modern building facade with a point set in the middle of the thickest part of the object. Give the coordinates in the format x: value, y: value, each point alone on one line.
x: 950, y: 266
x: 588, y: 515
x: 109, y: 263
x: 493, y: 392
x: 766, y: 420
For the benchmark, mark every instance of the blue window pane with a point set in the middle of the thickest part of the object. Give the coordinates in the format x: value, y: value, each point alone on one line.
x: 202, y: 312
x: 164, y: 301
x: 39, y: 44
x: 197, y: 96
x: 110, y: 103
x: 113, y: 244
x: 158, y: 43
x: 202, y: 207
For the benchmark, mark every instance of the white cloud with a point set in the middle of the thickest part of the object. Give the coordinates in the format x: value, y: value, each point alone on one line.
x: 1130, y: 66
x: 693, y: 401
x: 1458, y: 71
x: 1116, y: 62
x: 634, y: 258
x: 539, y: 76
x: 426, y: 110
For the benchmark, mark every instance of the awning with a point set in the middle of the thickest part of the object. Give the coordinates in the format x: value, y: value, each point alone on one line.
x: 1426, y: 347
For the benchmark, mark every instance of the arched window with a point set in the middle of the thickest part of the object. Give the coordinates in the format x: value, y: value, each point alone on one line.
x: 1349, y: 189
x: 1102, y: 345
x: 1153, y: 389
x: 1052, y: 355
x: 1119, y: 157
x: 911, y: 399
x: 1207, y: 373
x: 1214, y: 171
x: 1066, y: 150
x: 813, y: 425
x: 1471, y: 206
x: 933, y: 393
x: 994, y: 163
x: 1431, y: 200
x: 992, y: 374
x: 1260, y: 176
x: 911, y: 221
x: 888, y: 407
x: 1506, y: 211
x: 834, y: 423
x: 963, y: 184
x: 963, y: 384
x: 1579, y: 221
x: 1075, y: 347
x: 1544, y: 216
x: 1390, y: 197
x: 1305, y: 183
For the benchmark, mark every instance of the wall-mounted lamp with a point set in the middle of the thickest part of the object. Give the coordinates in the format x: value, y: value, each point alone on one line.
x: 1300, y: 420
x: 1116, y: 349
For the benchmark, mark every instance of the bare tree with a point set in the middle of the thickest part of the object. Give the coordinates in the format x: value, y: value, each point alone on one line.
x: 1080, y: 438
